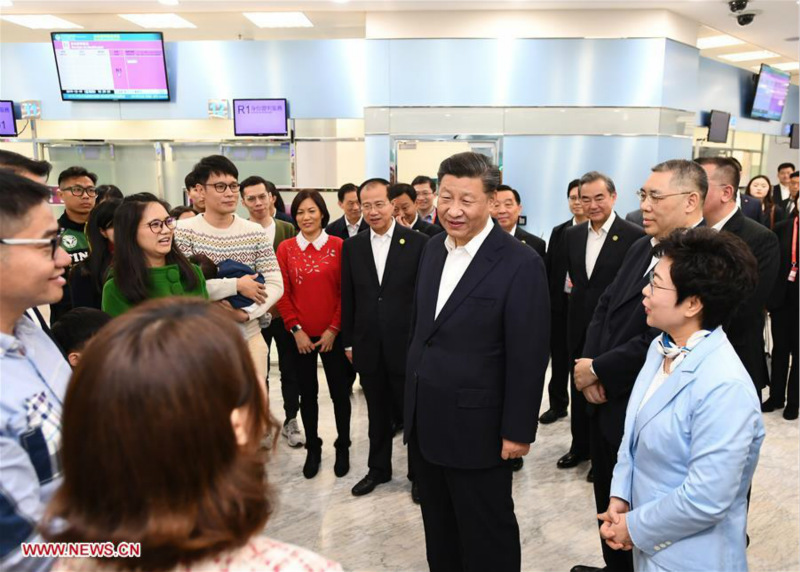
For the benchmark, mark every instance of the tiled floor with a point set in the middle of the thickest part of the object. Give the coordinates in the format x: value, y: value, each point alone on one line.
x: 555, y: 508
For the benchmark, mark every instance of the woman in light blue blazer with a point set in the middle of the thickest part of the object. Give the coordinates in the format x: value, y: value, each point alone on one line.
x: 693, y: 426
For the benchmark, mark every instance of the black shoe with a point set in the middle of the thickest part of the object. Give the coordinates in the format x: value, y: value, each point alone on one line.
x: 313, y: 459
x: 415, y: 492
x: 790, y: 413
x: 516, y: 464
x: 342, y: 465
x: 367, y: 485
x: 582, y: 568
x: 570, y: 460
x: 552, y: 415
x: 769, y: 406
x: 590, y: 475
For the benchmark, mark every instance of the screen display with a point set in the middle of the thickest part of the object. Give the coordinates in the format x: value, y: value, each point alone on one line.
x: 260, y: 117
x: 718, y: 126
x: 771, y: 91
x: 8, y: 121
x: 124, y: 66
x: 794, y: 137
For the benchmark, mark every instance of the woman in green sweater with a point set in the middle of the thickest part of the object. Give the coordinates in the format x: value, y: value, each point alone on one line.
x: 147, y: 263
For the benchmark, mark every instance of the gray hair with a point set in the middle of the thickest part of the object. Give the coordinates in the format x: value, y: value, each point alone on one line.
x: 593, y: 176
x: 686, y: 175
x: 472, y: 166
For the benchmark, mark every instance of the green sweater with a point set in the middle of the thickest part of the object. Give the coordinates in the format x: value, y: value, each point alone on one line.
x: 164, y: 281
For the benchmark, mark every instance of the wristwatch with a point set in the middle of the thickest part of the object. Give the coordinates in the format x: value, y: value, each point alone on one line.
x: 296, y: 328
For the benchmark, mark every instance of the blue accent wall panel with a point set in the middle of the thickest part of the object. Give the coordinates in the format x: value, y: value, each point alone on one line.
x: 680, y: 81
x: 377, y: 149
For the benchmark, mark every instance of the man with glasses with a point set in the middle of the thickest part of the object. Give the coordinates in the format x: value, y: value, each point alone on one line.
x: 426, y: 199
x: 618, y: 336
x: 33, y: 371
x: 76, y: 189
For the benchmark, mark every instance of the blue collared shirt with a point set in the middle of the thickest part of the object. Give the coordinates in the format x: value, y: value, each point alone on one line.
x: 33, y: 379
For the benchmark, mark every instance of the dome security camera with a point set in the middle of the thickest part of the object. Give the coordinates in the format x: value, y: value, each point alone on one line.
x: 745, y: 18
x: 738, y: 6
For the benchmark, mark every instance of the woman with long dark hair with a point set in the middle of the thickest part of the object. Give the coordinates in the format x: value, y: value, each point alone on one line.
x: 760, y: 187
x: 87, y: 278
x: 147, y: 263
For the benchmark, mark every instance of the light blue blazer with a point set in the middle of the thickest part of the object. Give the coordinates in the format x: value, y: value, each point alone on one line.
x: 687, y: 460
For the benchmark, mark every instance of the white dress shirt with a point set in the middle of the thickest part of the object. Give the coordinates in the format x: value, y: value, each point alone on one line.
x: 458, y: 260
x: 352, y: 229
x: 380, y: 249
x: 595, y: 242
x: 785, y: 194
x: 725, y: 220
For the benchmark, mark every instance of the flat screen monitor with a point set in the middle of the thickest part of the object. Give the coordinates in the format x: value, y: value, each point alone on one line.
x: 794, y: 136
x: 771, y: 91
x: 111, y: 66
x: 260, y: 117
x: 718, y: 123
x: 8, y: 119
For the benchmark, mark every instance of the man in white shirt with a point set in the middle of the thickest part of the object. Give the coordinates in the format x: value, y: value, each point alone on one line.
x: 351, y: 223
x: 425, y: 188
x: 780, y: 192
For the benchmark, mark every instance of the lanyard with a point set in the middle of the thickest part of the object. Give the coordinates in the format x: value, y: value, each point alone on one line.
x: 793, y: 270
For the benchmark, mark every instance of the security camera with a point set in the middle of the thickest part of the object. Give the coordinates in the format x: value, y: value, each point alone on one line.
x: 738, y: 6
x: 745, y: 18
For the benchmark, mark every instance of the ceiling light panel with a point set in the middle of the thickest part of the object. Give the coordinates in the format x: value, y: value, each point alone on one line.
x: 279, y: 19
x: 789, y: 66
x: 712, y: 42
x: 168, y: 2
x: 42, y: 22
x: 152, y: 21
x: 749, y: 56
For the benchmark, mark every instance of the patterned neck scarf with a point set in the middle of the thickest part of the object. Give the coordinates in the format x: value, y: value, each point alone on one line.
x: 668, y: 348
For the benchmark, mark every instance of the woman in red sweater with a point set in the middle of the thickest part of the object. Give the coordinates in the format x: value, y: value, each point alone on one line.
x: 311, y: 310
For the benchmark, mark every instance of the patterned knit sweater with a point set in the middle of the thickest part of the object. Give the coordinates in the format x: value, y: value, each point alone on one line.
x: 243, y: 241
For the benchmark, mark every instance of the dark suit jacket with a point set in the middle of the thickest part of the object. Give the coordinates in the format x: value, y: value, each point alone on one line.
x: 376, y: 317
x: 784, y: 291
x: 777, y: 196
x: 556, y: 263
x: 531, y: 240
x: 426, y: 228
x: 475, y: 373
x: 339, y: 228
x: 746, y: 327
x: 771, y: 219
x: 751, y: 208
x: 586, y: 292
x: 636, y: 217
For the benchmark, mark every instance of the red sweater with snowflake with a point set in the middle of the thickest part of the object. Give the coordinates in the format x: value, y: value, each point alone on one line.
x: 312, y: 281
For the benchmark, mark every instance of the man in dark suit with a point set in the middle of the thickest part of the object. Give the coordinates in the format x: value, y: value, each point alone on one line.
x: 595, y: 250
x: 746, y: 328
x: 507, y: 209
x: 790, y: 204
x: 351, y: 222
x: 780, y: 192
x: 404, y: 199
x: 379, y: 270
x: 618, y: 336
x: 426, y: 199
x: 751, y: 208
x: 556, y: 264
x: 635, y: 217
x: 475, y: 375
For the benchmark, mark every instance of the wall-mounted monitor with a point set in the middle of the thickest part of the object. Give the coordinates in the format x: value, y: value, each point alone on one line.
x: 8, y: 119
x: 718, y: 122
x: 794, y: 136
x: 772, y: 88
x: 260, y: 117
x: 111, y: 66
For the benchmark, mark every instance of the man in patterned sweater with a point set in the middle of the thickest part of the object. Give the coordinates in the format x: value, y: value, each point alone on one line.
x: 222, y: 235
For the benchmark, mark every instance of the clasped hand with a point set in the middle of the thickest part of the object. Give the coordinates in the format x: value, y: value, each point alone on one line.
x: 306, y: 346
x: 614, y: 529
x: 587, y: 382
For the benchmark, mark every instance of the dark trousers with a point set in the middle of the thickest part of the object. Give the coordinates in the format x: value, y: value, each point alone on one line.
x: 785, y: 345
x: 578, y: 420
x: 468, y: 516
x: 604, y: 457
x: 335, y: 365
x: 384, y: 395
x: 559, y: 364
x: 284, y: 341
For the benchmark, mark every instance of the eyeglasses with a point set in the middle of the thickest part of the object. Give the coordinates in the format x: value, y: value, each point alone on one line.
x: 221, y: 187
x: 651, y: 279
x: 78, y: 191
x: 252, y: 199
x: 157, y: 225
x: 366, y: 207
x: 656, y: 198
x: 52, y: 242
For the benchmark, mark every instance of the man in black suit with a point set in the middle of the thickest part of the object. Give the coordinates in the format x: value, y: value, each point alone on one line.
x: 780, y: 192
x: 475, y: 375
x: 351, y: 222
x: 635, y: 217
x: 379, y: 270
x: 746, y: 328
x: 556, y: 264
x: 404, y: 199
x: 618, y: 336
x: 595, y: 250
x: 790, y: 204
x: 507, y: 209
x: 426, y: 199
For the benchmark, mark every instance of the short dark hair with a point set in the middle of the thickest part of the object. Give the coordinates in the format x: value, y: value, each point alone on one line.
x: 344, y: 189
x: 106, y: 192
x: 781, y: 167
x: 75, y: 328
x: 572, y: 184
x: 717, y: 267
x: 254, y: 180
x: 423, y: 180
x: 688, y: 175
x: 181, y: 210
x: 214, y: 165
x: 473, y: 166
x: 795, y: 175
x: 17, y: 163
x: 315, y: 196
x: 400, y: 189
x: 20, y: 195
x: 370, y: 182
x: 514, y: 192
x: 190, y: 180
x: 207, y: 266
x: 75, y: 172
x: 726, y: 168
x: 593, y: 176
x: 145, y: 197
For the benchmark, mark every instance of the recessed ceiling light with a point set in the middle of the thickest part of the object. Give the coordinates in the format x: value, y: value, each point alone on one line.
x: 42, y: 22
x: 748, y: 56
x: 6, y: 4
x: 790, y: 66
x: 168, y: 2
x: 711, y: 42
x: 158, y: 20
x: 279, y: 19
